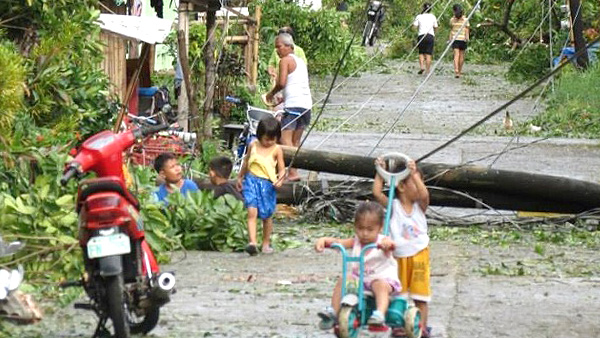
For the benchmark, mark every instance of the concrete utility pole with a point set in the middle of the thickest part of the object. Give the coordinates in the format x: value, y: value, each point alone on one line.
x: 575, y: 12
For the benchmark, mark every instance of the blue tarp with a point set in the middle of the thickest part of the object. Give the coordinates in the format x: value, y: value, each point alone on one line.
x: 568, y: 52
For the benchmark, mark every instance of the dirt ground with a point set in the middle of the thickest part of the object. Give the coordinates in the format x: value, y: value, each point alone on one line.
x: 278, y: 295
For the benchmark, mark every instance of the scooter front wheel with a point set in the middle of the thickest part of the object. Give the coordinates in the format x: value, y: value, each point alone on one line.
x: 349, y: 323
x: 367, y: 32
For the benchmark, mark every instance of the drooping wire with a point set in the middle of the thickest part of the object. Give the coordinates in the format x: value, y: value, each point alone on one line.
x: 341, y: 124
x: 379, y: 51
x: 513, y: 100
x: 412, y: 98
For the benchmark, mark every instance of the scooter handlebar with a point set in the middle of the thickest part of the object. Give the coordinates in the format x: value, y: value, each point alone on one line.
x: 68, y: 174
x: 145, y: 131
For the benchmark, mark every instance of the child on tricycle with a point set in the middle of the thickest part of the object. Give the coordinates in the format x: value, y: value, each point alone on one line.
x: 374, y: 272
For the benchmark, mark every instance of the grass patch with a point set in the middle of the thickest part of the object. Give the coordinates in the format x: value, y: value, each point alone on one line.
x: 574, y: 107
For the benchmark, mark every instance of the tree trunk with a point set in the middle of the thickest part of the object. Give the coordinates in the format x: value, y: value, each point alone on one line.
x: 575, y: 9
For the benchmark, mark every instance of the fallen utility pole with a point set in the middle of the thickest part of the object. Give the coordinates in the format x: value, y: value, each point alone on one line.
x: 499, y: 189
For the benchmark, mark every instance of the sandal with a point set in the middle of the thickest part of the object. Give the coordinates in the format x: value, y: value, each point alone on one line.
x: 251, y: 249
x: 268, y: 250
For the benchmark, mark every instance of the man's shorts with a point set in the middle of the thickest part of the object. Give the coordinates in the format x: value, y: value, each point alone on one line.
x: 425, y: 44
x: 295, y: 118
x: 459, y: 44
x: 414, y: 275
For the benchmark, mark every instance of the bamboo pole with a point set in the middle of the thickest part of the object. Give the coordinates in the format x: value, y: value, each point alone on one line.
x: 185, y: 67
x: 209, y: 74
x: 255, y: 41
x: 182, y: 100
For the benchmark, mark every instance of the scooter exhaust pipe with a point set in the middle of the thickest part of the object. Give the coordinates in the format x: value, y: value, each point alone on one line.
x: 163, y: 287
x: 166, y: 281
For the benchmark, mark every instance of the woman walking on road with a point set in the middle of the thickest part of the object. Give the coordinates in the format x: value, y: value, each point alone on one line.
x: 460, y: 29
x: 426, y: 23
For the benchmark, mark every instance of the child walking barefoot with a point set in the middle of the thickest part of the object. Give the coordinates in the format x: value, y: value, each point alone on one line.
x: 381, y: 270
x: 263, y: 171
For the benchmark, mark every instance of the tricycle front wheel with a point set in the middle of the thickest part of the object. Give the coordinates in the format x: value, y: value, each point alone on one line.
x: 412, y: 321
x: 349, y: 322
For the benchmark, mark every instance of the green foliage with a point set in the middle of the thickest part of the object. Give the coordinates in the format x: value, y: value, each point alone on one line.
x: 322, y: 34
x: 35, y: 209
x: 203, y: 222
x: 12, y: 83
x: 65, y: 88
x: 532, y: 64
x: 574, y: 106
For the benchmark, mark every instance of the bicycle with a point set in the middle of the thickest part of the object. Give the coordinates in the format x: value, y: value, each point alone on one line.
x: 248, y: 134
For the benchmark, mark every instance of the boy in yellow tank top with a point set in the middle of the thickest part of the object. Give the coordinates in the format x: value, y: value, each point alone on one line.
x: 262, y: 172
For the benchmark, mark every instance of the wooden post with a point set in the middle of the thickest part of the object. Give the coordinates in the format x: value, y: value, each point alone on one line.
x: 185, y: 67
x: 210, y: 72
x: 575, y: 10
x: 255, y: 40
x: 182, y: 99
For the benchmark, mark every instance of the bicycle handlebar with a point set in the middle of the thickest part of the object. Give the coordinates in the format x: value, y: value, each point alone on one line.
x: 233, y: 99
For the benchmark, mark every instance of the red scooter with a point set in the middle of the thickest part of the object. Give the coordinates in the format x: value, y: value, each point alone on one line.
x: 122, y: 277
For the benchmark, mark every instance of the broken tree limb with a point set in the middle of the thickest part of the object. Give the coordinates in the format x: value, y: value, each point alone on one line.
x: 502, y: 189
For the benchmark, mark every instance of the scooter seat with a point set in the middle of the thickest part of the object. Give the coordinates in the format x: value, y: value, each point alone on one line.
x: 103, y: 184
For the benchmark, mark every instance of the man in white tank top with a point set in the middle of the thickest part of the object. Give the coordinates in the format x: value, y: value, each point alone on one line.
x: 293, y: 80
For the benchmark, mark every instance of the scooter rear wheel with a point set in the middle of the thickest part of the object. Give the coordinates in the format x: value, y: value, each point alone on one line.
x: 116, y: 305
x: 148, y: 322
x: 348, y: 320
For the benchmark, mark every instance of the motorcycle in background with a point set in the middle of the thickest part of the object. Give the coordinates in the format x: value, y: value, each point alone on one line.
x: 375, y: 13
x: 122, y: 278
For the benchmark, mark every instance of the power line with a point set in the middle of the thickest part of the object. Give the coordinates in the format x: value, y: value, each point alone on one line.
x: 507, y: 104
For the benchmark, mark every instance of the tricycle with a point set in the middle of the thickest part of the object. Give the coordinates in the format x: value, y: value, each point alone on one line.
x: 357, y: 305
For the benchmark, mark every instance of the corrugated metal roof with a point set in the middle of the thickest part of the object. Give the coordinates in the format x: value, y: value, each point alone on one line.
x: 147, y: 29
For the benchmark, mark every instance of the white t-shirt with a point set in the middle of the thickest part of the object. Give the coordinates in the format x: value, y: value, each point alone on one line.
x: 426, y: 23
x: 409, y: 232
